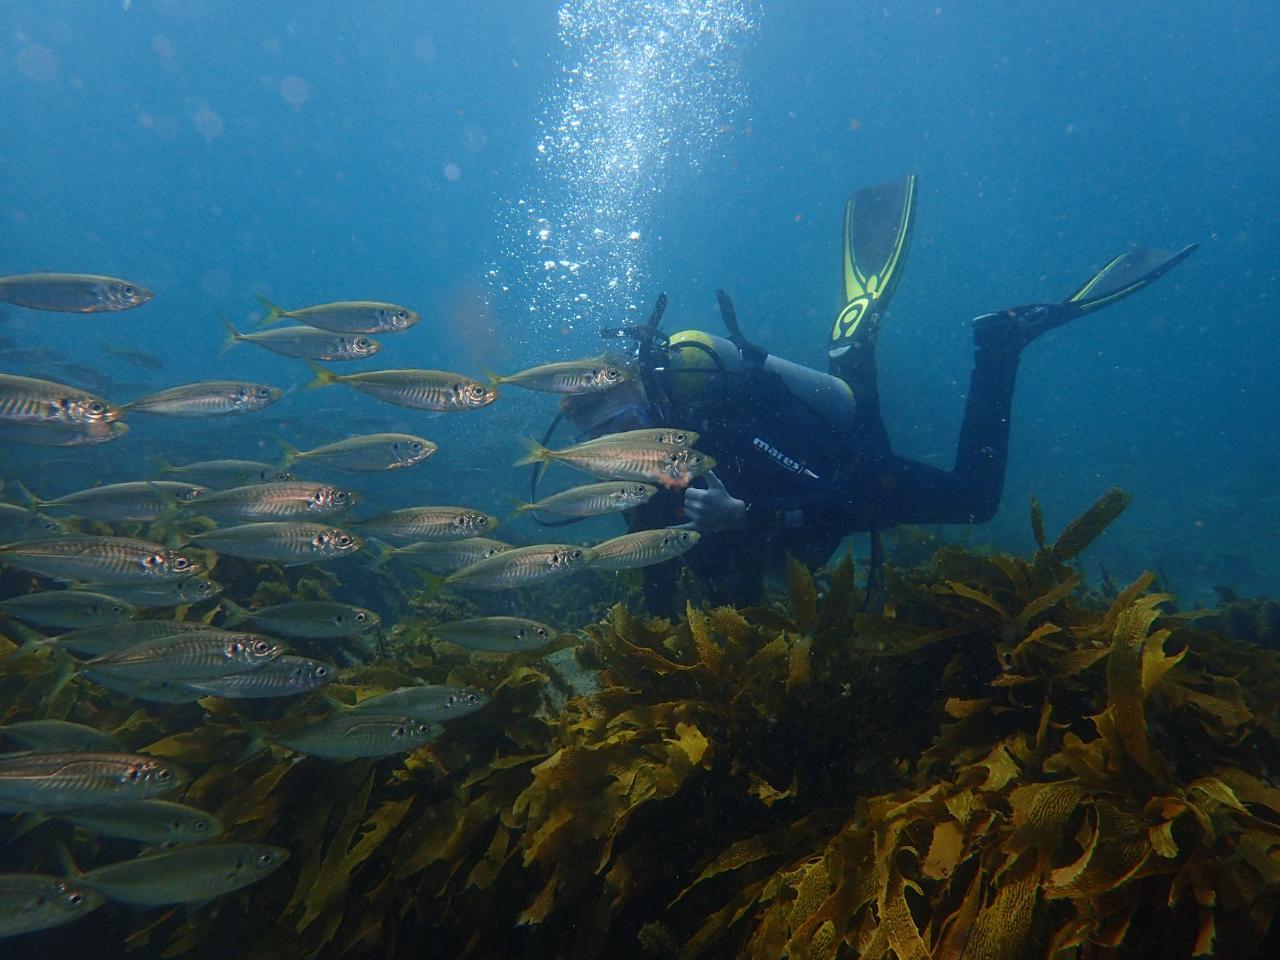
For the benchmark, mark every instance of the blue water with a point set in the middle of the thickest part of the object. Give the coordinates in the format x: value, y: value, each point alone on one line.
x: 212, y: 151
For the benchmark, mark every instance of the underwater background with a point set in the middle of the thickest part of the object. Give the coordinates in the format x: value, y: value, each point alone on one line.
x: 424, y: 154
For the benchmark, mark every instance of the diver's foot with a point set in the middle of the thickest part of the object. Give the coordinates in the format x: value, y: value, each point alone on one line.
x: 1012, y: 329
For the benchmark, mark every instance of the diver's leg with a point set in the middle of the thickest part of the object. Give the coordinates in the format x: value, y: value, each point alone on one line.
x: 857, y: 368
x: 906, y: 491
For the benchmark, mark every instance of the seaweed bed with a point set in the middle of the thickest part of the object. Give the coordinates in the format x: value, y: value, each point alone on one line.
x: 999, y: 764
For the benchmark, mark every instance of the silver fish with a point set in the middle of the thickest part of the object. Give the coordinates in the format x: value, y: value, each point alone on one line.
x: 221, y: 474
x: 446, y: 556
x: 209, y: 398
x: 52, y: 434
x: 137, y: 500
x: 26, y: 401
x: 356, y: 734
x: 306, y: 343
x: 34, y: 901
x: 19, y: 523
x: 522, y: 567
x: 670, y: 466
x: 308, y: 619
x: 594, y: 499
x: 284, y: 541
x: 193, y: 590
x: 427, y: 703
x: 279, y: 500
x: 188, y: 875
x: 643, y: 548
x: 147, y: 821
x: 437, y: 390
x: 49, y: 782
x: 60, y: 736
x: 72, y: 292
x: 95, y: 641
x: 346, y: 316
x: 496, y: 634
x: 572, y: 377
x: 105, y: 560
x: 649, y: 436
x: 282, y: 677
x: 139, y: 358
x: 193, y: 656
x: 429, y: 523
x: 155, y: 691
x: 71, y: 609
x: 376, y: 451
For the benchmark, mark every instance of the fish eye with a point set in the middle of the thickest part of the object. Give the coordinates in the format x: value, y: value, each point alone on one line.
x: 343, y: 540
x: 679, y: 438
x: 129, y: 291
x: 321, y: 672
x: 477, y: 390
x: 541, y: 632
x: 415, y: 446
x: 362, y: 343
x: 482, y: 521
x: 261, y: 647
x: 117, y: 609
x: 163, y: 775
x: 75, y: 899
x: 180, y: 563
x: 199, y: 826
x: 399, y: 731
x: 576, y: 554
x: 361, y: 617
x: 265, y: 859
x: 402, y: 315
x: 611, y: 374
x: 49, y: 525
x: 262, y: 392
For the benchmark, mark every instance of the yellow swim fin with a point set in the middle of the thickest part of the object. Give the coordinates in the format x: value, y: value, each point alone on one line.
x: 877, y: 233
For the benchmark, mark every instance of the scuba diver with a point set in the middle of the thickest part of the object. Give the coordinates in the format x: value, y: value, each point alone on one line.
x: 803, y: 457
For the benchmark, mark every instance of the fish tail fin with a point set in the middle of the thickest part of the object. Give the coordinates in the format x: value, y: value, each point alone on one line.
x: 66, y: 673
x: 162, y: 466
x: 66, y: 861
x: 521, y: 507
x: 537, y: 454
x: 291, y: 454
x: 382, y: 552
x: 493, y: 379
x: 32, y: 501
x: 323, y: 377
x: 274, y: 313
x: 25, y: 824
x: 235, y: 612
x: 233, y: 336
x: 259, y: 740
x: 332, y: 702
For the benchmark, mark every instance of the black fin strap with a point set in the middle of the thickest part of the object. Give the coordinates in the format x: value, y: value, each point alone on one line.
x: 752, y: 355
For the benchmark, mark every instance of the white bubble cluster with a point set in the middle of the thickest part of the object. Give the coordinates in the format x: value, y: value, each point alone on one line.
x: 645, y: 88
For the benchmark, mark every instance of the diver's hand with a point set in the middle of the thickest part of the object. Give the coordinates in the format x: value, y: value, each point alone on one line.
x: 713, y: 509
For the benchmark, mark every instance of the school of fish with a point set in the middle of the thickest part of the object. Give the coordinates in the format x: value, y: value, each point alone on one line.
x: 113, y: 607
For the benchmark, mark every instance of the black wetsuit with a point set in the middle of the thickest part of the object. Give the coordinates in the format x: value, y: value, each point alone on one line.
x: 806, y: 508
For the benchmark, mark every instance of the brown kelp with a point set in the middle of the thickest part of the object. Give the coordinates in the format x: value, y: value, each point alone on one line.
x: 999, y: 763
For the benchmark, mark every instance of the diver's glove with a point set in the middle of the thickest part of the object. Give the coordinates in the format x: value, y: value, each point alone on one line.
x: 714, y: 509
